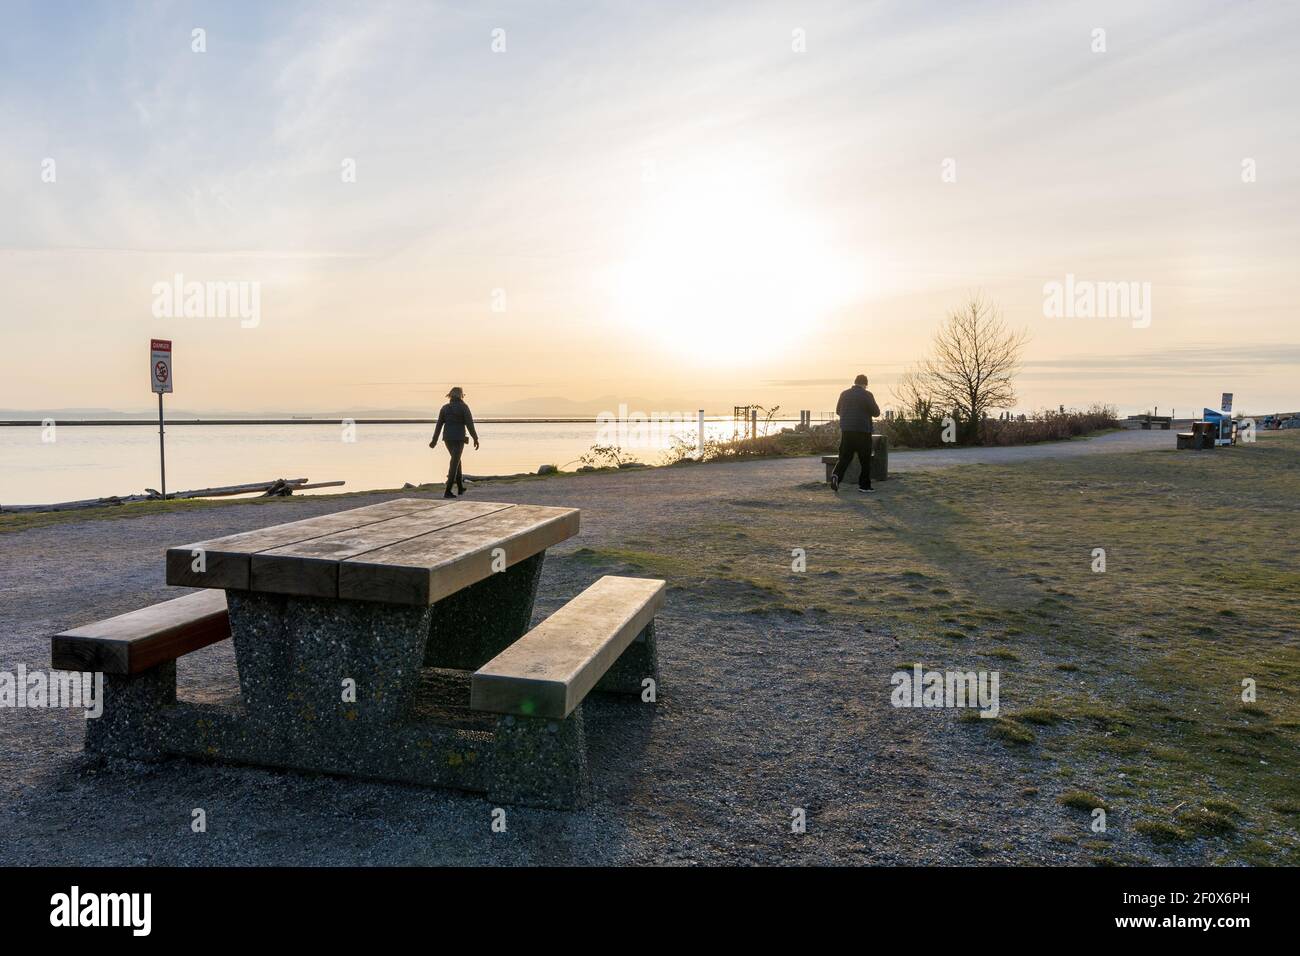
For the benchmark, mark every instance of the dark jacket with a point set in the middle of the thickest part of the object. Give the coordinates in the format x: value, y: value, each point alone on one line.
x: 856, y: 408
x: 457, y: 419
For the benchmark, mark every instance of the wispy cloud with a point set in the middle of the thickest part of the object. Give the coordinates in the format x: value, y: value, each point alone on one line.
x: 1197, y: 358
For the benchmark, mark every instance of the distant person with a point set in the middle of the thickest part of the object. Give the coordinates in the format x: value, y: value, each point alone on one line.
x: 458, y: 420
x: 856, y: 408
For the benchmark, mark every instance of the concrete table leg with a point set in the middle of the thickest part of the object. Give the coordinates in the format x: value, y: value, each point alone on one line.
x: 541, y: 763
x: 132, y: 722
x: 477, y: 623
x: 639, y: 661
x: 295, y: 655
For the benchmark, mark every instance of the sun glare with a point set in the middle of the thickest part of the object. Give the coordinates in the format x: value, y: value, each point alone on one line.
x: 725, y: 271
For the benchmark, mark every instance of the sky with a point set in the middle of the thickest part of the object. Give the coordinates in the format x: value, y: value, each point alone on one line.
x: 565, y: 206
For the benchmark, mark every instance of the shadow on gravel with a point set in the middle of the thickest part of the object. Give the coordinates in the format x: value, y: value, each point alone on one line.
x: 619, y: 731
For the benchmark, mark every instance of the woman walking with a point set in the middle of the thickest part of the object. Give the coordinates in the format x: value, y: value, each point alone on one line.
x: 455, y: 416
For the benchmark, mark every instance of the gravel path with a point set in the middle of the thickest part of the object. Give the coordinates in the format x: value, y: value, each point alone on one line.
x: 757, y: 715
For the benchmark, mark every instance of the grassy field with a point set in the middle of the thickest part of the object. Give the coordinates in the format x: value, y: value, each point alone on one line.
x: 1125, y: 684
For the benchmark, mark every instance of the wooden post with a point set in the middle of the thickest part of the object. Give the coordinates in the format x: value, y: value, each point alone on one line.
x: 753, y: 424
x: 701, y: 441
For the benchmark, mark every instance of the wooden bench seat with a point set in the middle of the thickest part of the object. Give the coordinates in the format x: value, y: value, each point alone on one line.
x: 138, y: 640
x: 548, y: 671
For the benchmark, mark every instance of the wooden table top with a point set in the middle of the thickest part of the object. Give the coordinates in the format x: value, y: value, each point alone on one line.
x: 406, y: 551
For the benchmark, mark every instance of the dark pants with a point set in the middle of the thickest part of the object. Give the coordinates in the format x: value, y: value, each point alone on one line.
x: 456, y: 448
x: 855, y: 443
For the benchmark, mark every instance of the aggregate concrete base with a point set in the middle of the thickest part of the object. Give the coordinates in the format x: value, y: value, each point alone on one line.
x: 639, y: 662
x: 418, y: 752
x: 541, y: 762
x: 405, y: 724
x: 316, y: 659
x: 474, y: 625
x: 131, y: 723
x: 517, y: 760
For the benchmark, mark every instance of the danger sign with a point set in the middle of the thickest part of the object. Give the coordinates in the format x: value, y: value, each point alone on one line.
x: 160, y: 365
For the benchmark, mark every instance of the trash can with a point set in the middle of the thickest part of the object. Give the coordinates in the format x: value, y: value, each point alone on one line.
x: 879, y: 462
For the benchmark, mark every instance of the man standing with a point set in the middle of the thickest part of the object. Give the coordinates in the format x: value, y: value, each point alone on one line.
x: 856, y: 408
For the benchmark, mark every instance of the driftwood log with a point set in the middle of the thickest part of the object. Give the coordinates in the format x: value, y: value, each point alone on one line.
x: 278, y: 487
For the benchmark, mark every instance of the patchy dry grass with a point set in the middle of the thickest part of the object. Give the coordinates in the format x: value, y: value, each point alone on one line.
x: 1127, y: 683
x: 1081, y: 800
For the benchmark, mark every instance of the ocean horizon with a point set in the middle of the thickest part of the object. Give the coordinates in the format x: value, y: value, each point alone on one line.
x: 93, y: 461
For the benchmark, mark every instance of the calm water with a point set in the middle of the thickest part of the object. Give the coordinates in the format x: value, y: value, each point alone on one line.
x: 97, y: 461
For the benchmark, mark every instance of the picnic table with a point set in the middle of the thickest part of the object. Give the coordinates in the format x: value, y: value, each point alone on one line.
x: 373, y: 594
x: 355, y: 635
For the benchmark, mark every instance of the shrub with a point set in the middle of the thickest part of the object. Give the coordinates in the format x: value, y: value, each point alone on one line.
x: 1047, y: 426
x: 925, y: 431
x: 606, y: 456
x: 821, y: 440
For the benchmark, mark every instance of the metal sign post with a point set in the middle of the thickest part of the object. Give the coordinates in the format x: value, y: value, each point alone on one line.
x: 160, y: 380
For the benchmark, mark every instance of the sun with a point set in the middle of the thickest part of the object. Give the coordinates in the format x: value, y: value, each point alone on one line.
x: 721, y: 268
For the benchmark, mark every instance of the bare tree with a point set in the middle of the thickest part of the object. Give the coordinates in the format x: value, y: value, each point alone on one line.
x: 912, y: 395
x: 975, y: 359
